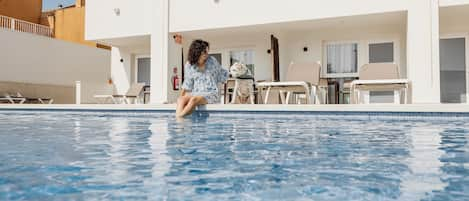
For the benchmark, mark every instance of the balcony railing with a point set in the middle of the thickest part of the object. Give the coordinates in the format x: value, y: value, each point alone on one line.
x: 24, y: 26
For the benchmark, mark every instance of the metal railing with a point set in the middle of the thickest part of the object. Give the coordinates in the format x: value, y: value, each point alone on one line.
x: 24, y: 26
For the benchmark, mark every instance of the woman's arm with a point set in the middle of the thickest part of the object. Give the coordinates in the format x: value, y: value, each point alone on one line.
x: 221, y: 73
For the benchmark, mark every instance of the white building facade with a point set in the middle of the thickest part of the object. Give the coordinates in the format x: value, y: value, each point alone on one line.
x: 428, y: 39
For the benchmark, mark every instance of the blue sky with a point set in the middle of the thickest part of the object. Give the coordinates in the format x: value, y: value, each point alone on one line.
x: 50, y: 4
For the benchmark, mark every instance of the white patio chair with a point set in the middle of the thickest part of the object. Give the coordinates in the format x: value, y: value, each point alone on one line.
x: 131, y: 96
x: 379, y: 77
x: 301, y: 77
x: 41, y: 100
x: 7, y: 98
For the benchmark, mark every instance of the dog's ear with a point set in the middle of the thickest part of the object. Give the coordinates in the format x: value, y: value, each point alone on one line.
x: 234, y: 65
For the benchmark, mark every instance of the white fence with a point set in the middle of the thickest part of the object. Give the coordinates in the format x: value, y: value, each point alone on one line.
x: 24, y: 26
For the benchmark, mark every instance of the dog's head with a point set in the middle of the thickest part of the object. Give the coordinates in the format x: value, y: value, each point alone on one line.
x: 239, y: 70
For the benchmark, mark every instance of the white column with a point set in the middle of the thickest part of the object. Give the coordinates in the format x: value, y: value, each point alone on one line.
x: 12, y: 24
x: 423, y: 54
x: 159, y: 52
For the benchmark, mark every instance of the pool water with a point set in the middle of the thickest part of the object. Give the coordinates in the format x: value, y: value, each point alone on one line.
x: 232, y: 156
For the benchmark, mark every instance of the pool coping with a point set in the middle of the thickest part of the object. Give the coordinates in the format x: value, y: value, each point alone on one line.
x: 372, y: 108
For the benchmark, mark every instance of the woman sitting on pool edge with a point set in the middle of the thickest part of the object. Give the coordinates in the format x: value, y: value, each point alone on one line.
x: 202, y: 76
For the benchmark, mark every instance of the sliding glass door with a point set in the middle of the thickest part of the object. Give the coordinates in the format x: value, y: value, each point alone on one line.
x: 453, y: 80
x: 143, y: 70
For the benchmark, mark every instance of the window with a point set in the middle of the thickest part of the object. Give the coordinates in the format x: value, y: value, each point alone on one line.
x: 381, y: 52
x: 243, y: 56
x: 217, y: 56
x: 143, y: 70
x: 342, y: 58
x: 453, y: 80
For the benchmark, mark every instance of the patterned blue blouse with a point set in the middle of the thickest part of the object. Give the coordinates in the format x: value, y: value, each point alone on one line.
x: 205, y: 82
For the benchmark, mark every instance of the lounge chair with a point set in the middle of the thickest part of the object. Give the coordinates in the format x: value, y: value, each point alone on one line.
x: 41, y: 100
x: 7, y: 98
x: 379, y: 77
x: 131, y: 96
x: 300, y: 78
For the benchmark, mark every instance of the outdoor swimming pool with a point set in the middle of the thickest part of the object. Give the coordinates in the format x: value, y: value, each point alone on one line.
x: 47, y: 155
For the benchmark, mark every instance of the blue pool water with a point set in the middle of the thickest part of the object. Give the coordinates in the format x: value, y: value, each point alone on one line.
x: 227, y: 156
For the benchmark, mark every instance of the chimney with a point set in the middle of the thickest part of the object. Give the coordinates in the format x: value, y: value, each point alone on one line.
x: 79, y: 3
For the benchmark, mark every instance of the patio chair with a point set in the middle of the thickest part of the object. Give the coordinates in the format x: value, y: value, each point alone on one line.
x: 7, y: 98
x: 41, y: 100
x: 131, y: 96
x: 379, y: 77
x: 300, y: 78
x: 243, y: 87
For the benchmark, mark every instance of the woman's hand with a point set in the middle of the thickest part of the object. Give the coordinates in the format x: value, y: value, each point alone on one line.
x: 183, y: 92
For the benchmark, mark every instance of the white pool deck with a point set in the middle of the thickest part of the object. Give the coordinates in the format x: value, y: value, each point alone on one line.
x: 447, y: 108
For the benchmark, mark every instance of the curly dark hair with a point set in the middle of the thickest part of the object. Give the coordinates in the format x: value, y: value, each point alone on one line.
x: 196, y: 49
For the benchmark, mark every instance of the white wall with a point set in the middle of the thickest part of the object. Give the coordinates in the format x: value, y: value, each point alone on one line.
x: 232, y: 13
x: 453, y: 2
x: 121, y: 69
x: 315, y: 41
x: 136, y: 16
x: 102, y: 22
x: 29, y: 58
x: 453, y: 20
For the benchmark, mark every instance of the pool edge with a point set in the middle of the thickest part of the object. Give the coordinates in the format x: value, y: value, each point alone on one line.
x: 374, y: 108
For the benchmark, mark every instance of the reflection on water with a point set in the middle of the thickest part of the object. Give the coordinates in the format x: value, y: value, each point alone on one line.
x: 424, y: 164
x: 73, y: 156
x: 159, y: 152
x: 455, y: 167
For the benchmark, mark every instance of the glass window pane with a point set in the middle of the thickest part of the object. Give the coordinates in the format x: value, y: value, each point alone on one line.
x: 453, y: 70
x: 143, y: 71
x: 381, y: 96
x: 381, y: 53
x: 217, y: 56
x: 342, y: 58
x: 243, y: 56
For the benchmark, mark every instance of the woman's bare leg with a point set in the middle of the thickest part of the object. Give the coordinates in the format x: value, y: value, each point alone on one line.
x: 181, y: 103
x: 190, y: 106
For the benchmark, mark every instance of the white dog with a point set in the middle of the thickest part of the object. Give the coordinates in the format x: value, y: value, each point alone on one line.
x: 244, y: 83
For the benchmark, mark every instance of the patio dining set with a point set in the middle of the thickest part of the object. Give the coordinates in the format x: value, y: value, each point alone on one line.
x: 304, y: 85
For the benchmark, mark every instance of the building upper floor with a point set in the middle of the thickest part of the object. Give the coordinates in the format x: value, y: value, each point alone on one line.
x: 68, y: 23
x: 123, y: 18
x: 65, y: 23
x: 118, y: 18
x: 27, y: 10
x: 23, y: 16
